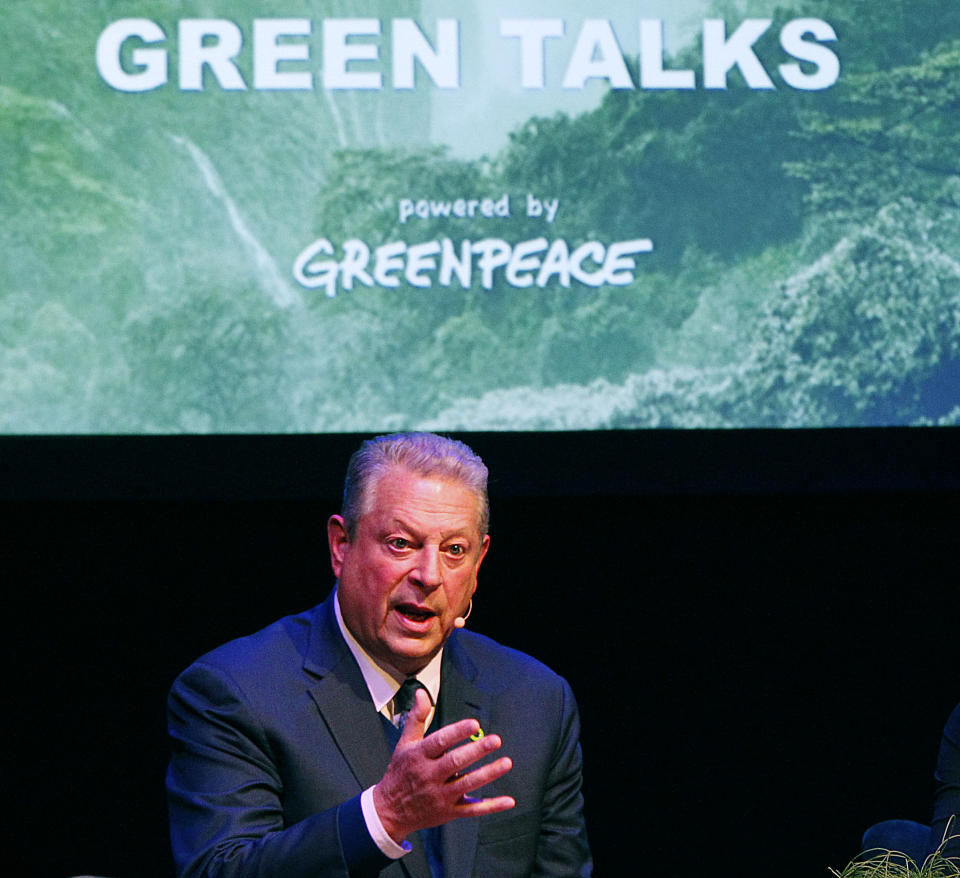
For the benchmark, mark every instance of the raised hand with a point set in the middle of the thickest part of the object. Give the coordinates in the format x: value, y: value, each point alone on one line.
x: 425, y: 783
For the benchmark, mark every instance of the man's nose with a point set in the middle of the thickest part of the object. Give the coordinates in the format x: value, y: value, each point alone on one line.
x: 428, y: 573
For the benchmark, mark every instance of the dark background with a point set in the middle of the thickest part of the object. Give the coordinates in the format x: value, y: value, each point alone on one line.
x: 759, y: 626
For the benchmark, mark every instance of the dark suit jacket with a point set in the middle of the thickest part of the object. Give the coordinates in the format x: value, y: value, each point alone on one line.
x: 946, y: 803
x: 274, y: 737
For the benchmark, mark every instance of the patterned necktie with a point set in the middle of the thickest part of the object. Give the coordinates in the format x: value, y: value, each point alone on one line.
x: 405, y: 698
x: 403, y: 702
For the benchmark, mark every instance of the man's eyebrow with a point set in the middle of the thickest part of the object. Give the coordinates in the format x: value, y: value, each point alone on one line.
x: 406, y: 527
x: 456, y: 533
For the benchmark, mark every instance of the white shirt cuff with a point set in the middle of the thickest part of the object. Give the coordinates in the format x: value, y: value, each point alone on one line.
x: 383, y: 841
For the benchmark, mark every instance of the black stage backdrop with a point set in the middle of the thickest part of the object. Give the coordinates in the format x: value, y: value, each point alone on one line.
x: 760, y: 628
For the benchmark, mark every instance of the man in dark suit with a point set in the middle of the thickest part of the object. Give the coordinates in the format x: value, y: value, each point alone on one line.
x: 351, y: 740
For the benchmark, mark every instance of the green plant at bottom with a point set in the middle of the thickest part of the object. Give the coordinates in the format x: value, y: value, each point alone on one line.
x: 895, y: 864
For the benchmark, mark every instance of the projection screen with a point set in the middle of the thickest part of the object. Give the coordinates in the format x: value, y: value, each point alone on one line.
x: 315, y: 217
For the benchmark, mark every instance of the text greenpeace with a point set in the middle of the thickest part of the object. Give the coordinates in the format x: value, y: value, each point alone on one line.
x: 134, y: 54
x: 536, y: 262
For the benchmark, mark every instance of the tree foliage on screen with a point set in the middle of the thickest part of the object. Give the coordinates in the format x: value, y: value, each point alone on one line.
x: 806, y: 269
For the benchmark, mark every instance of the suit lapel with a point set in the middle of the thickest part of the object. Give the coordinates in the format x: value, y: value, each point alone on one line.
x: 343, y: 700
x: 460, y: 698
x: 342, y: 697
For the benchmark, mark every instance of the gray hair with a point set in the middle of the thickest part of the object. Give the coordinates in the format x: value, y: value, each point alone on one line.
x: 423, y: 453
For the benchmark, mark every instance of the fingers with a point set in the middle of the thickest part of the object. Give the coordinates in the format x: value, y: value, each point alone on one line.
x: 435, y: 745
x: 447, y: 761
x: 451, y: 765
x: 458, y: 758
x: 428, y: 783
x: 471, y: 807
x: 416, y: 721
x: 466, y: 782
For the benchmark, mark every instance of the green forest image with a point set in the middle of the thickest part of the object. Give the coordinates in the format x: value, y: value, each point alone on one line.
x: 805, y: 261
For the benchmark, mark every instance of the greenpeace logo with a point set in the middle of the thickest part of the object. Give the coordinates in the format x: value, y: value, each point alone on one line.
x: 536, y: 262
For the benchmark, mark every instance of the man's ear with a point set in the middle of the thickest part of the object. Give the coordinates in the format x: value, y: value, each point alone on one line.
x: 339, y: 540
x: 481, y: 554
x: 484, y: 548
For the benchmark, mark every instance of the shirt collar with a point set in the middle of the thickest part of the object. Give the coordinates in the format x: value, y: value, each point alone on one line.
x: 382, y: 680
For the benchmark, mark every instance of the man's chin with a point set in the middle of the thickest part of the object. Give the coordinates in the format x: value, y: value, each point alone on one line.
x: 409, y: 654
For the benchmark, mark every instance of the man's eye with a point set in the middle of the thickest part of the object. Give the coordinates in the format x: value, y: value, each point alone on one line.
x: 456, y: 549
x: 399, y: 543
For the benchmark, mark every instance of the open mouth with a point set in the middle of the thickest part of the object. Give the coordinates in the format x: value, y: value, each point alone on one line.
x: 415, y: 613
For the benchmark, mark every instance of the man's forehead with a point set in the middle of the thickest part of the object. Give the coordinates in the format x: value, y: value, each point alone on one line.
x: 399, y: 490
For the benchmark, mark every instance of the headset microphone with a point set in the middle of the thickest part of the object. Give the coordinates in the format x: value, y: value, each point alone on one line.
x: 460, y: 621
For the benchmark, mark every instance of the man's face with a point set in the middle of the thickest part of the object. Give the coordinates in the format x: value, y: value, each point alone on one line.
x: 410, y: 568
